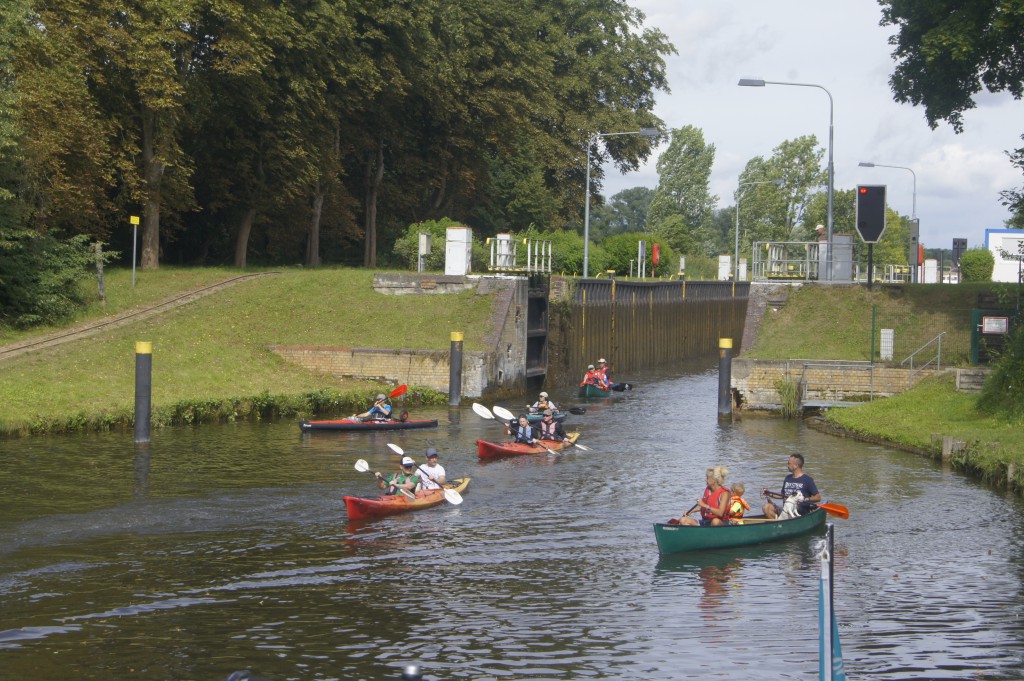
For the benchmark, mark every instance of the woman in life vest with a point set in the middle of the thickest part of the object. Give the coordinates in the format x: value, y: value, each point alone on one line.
x: 714, y: 504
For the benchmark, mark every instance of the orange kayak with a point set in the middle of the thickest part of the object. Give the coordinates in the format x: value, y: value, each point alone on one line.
x: 360, y: 508
x: 496, y: 450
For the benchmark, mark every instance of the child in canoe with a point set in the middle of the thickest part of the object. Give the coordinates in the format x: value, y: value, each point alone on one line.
x: 739, y: 505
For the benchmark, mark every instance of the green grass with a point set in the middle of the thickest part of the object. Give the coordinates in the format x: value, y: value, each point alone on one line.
x: 151, y: 286
x: 825, y: 322
x: 995, y: 447
x: 211, y: 357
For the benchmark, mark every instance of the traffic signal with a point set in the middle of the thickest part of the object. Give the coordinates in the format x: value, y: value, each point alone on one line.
x: 959, y: 247
x: 870, y: 212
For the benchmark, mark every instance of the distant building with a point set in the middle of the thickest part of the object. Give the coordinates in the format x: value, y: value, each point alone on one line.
x: 1000, y: 242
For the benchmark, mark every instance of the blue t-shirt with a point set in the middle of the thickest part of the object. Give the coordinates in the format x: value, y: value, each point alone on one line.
x: 804, y: 484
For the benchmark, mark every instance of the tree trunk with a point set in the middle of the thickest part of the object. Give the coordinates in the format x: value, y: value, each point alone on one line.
x: 242, y: 240
x: 153, y: 171
x: 313, y: 242
x: 374, y: 176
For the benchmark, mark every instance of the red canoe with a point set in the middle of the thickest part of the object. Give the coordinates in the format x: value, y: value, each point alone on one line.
x: 360, y: 508
x: 496, y: 450
x: 368, y: 424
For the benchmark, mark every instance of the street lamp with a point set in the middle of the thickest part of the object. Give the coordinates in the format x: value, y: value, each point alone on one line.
x: 868, y: 164
x: 646, y: 132
x: 739, y: 194
x: 756, y: 82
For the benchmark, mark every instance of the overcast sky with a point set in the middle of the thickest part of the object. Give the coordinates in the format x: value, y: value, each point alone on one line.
x: 840, y: 46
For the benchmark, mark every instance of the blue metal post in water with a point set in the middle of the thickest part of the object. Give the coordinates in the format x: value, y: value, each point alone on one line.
x: 455, y: 371
x: 143, y: 389
x: 725, y: 378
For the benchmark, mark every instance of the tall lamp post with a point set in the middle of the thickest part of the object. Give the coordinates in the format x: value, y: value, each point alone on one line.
x: 646, y: 132
x: 913, y: 210
x: 757, y: 82
x: 739, y: 195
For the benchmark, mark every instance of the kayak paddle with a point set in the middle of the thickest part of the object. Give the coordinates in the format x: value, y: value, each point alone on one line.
x: 364, y: 467
x: 399, y: 391
x: 450, y: 495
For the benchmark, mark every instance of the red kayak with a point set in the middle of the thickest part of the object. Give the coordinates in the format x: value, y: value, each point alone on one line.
x: 368, y: 424
x: 496, y: 450
x: 360, y: 508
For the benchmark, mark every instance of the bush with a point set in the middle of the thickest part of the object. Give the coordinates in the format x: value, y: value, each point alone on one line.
x: 977, y: 264
x: 1004, y: 389
x: 38, y: 277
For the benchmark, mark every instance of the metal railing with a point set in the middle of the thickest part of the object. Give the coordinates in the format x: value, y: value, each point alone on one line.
x: 505, y: 255
x: 937, y: 358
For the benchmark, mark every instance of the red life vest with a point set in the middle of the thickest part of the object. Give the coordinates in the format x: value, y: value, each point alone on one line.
x: 713, y: 499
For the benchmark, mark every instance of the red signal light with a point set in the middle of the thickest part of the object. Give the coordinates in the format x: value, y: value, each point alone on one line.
x: 863, y: 190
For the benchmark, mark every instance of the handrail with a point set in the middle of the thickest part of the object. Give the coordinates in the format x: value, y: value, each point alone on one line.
x: 937, y: 358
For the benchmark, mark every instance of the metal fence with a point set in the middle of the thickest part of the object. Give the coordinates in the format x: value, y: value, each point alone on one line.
x: 896, y: 336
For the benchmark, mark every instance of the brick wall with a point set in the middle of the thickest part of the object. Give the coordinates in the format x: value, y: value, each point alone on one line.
x: 753, y: 381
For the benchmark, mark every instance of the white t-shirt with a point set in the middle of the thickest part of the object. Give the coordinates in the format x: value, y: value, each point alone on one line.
x: 427, y: 471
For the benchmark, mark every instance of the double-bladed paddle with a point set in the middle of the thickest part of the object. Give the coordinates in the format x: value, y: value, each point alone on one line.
x: 450, y: 495
x: 364, y: 467
x: 399, y: 391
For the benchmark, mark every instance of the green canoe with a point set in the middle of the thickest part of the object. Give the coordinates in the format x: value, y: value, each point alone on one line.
x: 754, y: 530
x: 591, y: 390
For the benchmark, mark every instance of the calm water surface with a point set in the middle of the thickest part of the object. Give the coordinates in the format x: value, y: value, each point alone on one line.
x: 226, y: 547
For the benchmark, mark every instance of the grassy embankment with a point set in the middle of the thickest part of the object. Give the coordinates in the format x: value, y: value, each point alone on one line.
x: 211, y: 357
x: 824, y: 323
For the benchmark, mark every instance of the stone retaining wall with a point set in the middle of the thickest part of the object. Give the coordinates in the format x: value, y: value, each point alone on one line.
x: 753, y: 381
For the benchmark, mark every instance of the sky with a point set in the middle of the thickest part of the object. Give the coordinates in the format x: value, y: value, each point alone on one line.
x: 840, y: 46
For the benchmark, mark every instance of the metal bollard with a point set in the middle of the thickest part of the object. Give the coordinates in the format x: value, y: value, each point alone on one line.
x: 455, y: 371
x: 143, y: 389
x: 724, y: 378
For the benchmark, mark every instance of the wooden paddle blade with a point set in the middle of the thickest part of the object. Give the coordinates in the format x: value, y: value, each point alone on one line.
x: 503, y: 413
x: 452, y: 496
x: 838, y: 510
x: 395, y: 448
x: 399, y: 391
x: 362, y: 466
x: 482, y: 411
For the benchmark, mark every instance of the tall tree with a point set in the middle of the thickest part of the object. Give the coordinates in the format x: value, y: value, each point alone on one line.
x: 948, y: 51
x: 682, y: 206
x: 776, y: 213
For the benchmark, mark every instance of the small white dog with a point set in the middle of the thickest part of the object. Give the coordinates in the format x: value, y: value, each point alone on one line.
x: 789, y: 507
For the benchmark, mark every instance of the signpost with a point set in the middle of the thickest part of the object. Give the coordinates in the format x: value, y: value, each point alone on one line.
x: 134, y: 220
x: 870, y: 218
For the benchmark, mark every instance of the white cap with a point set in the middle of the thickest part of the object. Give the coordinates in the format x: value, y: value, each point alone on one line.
x: 407, y: 461
x: 602, y: 361
x: 543, y: 394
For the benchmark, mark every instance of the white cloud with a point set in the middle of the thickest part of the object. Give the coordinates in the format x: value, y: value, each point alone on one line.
x: 840, y: 46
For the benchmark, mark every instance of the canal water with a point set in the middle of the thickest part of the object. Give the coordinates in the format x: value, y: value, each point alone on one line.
x: 223, y: 548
